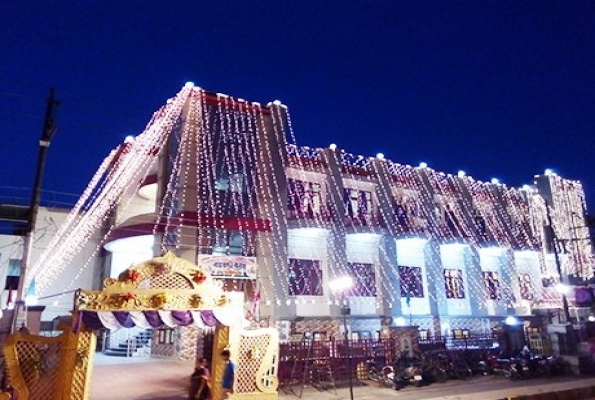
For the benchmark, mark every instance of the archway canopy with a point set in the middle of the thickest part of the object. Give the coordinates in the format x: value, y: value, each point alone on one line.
x: 165, y: 291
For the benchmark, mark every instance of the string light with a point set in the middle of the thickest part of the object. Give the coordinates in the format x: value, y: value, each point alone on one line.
x: 222, y: 159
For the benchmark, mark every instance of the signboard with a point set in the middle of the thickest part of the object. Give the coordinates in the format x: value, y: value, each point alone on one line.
x: 229, y: 267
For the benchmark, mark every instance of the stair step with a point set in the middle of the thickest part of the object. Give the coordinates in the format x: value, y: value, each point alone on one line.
x: 115, y: 353
x: 141, y: 339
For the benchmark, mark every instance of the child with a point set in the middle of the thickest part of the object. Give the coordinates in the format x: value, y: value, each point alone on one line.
x: 228, y: 374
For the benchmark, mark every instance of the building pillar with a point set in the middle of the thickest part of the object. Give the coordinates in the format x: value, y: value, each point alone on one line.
x: 435, y: 277
x: 390, y: 301
x: 336, y: 240
x: 271, y: 246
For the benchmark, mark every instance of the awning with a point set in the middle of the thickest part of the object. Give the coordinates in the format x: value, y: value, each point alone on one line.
x: 114, y: 320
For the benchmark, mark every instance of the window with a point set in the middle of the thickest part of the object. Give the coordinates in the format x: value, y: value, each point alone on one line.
x: 407, y: 213
x: 411, y: 282
x: 165, y: 336
x: 358, y: 203
x: 304, y: 199
x: 491, y: 282
x: 400, y: 215
x: 364, y: 281
x: 526, y: 287
x: 228, y: 243
x: 305, y: 277
x: 460, y: 333
x: 453, y: 284
x: 13, y: 274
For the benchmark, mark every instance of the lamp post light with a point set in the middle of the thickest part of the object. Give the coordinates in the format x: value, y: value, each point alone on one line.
x: 339, y: 287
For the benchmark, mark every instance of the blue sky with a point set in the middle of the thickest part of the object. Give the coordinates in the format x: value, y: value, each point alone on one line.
x: 499, y: 89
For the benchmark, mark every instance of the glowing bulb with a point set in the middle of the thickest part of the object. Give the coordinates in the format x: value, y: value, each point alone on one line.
x: 341, y: 284
x: 495, y: 181
x: 461, y: 173
x: 189, y: 85
x: 423, y: 165
x: 129, y: 139
x: 333, y: 146
x: 380, y: 156
x: 510, y: 320
x: 591, y: 318
x: 527, y: 187
x: 277, y: 102
x: 548, y: 171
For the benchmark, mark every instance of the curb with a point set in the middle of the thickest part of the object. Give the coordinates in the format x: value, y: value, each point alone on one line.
x: 568, y: 394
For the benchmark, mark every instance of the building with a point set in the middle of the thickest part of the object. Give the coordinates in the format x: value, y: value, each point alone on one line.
x: 220, y: 181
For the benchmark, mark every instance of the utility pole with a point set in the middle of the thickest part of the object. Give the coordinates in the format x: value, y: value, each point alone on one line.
x: 49, y: 128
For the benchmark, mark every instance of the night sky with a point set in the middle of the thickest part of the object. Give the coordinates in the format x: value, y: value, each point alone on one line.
x: 499, y: 88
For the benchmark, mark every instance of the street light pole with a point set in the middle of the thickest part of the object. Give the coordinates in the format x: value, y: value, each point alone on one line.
x: 345, y: 310
x: 340, y: 287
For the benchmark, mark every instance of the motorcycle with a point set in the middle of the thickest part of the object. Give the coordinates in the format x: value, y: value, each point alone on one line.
x: 387, y: 376
x: 408, y: 371
x: 434, y: 372
x: 500, y: 366
x: 373, y: 371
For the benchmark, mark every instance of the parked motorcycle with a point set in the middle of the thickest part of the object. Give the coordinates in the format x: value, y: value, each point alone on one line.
x: 373, y: 370
x: 432, y: 371
x: 408, y: 371
x: 387, y: 376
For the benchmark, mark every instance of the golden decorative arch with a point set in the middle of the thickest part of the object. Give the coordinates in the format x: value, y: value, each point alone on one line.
x: 162, y: 283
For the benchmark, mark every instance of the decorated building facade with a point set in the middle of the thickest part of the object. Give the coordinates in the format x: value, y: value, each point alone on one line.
x: 221, y: 182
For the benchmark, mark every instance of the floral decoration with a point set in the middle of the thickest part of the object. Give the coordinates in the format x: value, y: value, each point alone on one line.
x: 161, y: 269
x: 133, y: 276
x: 195, y: 301
x: 199, y: 277
x: 161, y: 299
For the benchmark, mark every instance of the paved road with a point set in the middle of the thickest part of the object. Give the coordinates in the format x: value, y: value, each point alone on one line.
x: 153, y: 379
x: 490, y: 388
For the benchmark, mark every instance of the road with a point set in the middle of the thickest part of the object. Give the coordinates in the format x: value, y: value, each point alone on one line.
x: 117, y: 378
x: 489, y: 387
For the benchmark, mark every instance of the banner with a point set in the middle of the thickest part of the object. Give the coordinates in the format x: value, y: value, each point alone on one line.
x: 230, y: 267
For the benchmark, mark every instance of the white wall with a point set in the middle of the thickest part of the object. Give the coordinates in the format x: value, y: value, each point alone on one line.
x: 410, y: 252
x: 82, y: 272
x: 127, y: 252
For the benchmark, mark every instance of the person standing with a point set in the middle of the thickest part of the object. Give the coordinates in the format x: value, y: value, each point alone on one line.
x: 228, y: 374
x: 200, y: 382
